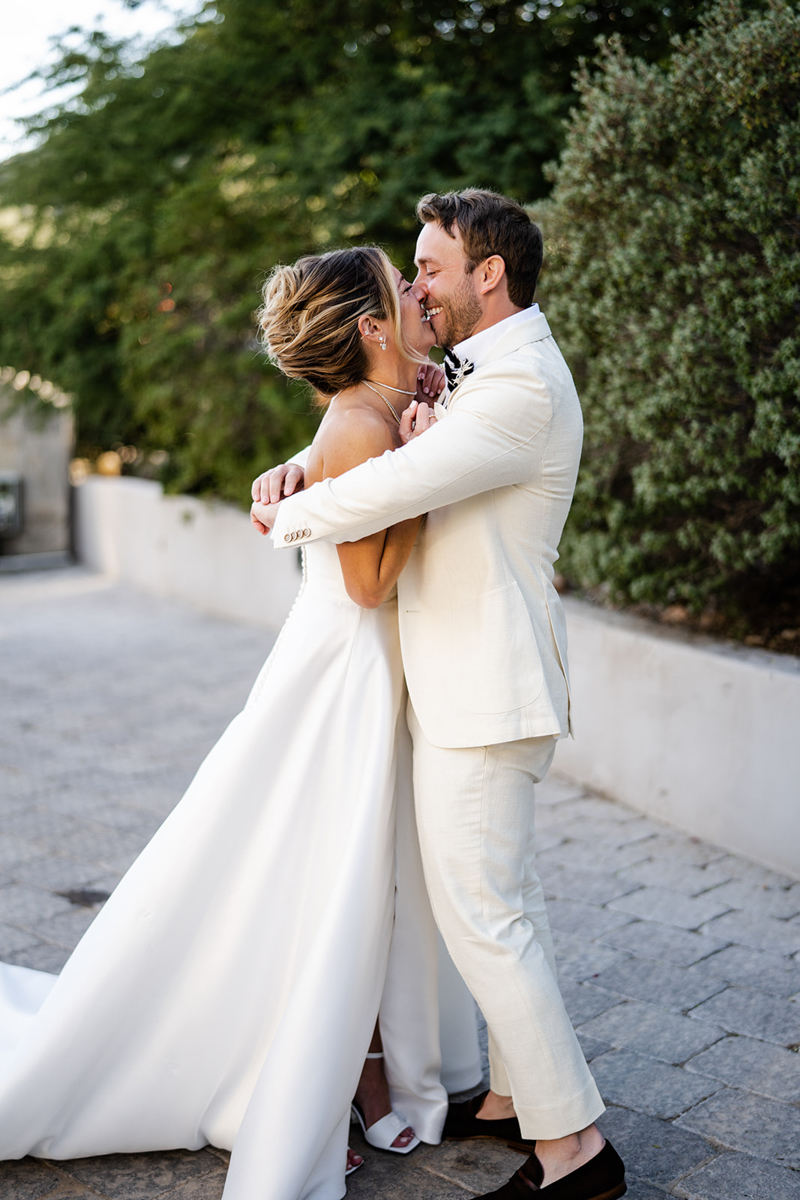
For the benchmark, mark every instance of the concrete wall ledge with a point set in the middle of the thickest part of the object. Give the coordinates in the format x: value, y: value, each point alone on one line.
x: 699, y: 733
x: 204, y: 553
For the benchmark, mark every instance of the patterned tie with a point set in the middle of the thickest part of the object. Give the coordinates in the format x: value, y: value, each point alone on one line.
x: 456, y: 369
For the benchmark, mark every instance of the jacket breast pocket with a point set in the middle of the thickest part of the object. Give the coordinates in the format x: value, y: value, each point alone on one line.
x: 490, y: 648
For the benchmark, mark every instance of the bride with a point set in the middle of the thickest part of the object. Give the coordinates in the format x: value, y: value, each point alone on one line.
x: 277, y: 925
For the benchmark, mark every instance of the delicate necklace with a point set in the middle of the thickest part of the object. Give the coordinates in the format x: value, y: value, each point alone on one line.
x: 388, y: 403
x: 394, y: 389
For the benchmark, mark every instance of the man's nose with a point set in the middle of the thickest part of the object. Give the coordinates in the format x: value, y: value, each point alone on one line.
x: 419, y: 290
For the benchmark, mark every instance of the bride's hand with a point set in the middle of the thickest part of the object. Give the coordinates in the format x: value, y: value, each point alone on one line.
x: 430, y: 382
x: 415, y: 420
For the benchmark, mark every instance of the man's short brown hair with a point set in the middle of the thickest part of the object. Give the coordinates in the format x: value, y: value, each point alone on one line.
x: 491, y: 224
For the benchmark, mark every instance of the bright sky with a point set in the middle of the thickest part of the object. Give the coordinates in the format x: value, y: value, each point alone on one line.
x: 25, y: 33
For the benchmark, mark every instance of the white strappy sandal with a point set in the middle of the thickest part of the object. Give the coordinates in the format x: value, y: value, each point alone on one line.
x: 384, y: 1132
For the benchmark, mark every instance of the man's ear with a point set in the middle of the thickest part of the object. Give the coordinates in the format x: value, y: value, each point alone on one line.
x: 490, y: 274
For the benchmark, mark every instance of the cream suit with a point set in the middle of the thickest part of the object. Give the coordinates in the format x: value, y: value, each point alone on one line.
x: 484, y: 649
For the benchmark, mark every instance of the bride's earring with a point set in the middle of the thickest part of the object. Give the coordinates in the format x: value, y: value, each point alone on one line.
x: 382, y: 341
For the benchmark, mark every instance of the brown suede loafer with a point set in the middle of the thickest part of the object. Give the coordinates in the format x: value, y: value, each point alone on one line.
x: 602, y: 1178
x: 463, y: 1122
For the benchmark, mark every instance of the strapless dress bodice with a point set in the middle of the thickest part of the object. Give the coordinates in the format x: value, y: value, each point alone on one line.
x: 322, y: 574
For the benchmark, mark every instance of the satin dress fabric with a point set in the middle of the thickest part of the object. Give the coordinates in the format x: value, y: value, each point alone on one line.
x: 228, y: 990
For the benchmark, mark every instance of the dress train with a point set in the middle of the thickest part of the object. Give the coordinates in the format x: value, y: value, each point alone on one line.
x: 228, y: 990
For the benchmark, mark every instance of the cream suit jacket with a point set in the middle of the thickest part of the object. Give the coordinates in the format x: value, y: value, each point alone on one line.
x: 481, y: 625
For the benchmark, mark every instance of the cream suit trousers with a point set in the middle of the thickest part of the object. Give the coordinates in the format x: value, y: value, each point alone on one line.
x: 475, y: 819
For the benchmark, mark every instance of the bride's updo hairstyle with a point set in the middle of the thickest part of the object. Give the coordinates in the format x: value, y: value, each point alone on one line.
x: 309, y: 319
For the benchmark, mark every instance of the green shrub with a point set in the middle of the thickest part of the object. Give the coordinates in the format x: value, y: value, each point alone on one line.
x: 135, y: 238
x: 672, y: 282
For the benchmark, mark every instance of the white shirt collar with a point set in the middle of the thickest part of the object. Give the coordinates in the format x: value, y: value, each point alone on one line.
x: 475, y: 349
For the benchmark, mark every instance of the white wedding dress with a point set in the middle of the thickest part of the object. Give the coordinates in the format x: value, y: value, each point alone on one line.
x: 228, y: 990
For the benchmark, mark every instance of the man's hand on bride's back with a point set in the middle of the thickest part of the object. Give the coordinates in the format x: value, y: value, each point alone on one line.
x: 278, y: 483
x: 268, y: 491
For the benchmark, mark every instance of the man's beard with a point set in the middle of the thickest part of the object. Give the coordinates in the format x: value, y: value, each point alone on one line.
x: 461, y: 312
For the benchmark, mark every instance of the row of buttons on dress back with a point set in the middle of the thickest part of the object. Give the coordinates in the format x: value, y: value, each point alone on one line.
x: 292, y: 537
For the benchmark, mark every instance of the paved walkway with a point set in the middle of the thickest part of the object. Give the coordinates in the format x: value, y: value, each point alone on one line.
x: 680, y: 963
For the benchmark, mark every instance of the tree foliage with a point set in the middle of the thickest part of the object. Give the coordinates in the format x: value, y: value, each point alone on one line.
x: 673, y: 280
x: 135, y: 238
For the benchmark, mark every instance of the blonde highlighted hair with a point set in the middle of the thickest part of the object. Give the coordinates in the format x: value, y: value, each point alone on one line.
x: 309, y: 318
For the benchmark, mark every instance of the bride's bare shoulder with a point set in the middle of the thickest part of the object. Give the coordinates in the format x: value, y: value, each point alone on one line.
x: 349, y: 435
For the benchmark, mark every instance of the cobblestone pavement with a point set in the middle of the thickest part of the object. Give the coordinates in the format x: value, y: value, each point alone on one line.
x: 680, y: 963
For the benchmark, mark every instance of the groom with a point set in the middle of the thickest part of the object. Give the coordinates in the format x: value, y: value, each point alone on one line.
x: 484, y: 649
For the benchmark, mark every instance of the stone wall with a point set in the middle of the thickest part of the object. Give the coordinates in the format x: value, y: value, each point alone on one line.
x: 38, y: 446
x: 701, y: 734
x: 204, y: 553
